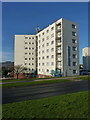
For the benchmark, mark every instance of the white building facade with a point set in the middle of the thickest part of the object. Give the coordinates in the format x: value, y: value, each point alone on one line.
x: 25, y: 52
x: 56, y: 48
x: 86, y: 58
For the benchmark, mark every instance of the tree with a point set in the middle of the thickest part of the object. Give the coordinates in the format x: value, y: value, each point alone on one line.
x: 19, y: 69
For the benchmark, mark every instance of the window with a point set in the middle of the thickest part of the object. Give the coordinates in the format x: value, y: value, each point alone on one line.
x: 69, y: 54
x: 52, y: 56
x: 39, y: 41
x: 74, y: 33
x: 25, y: 58
x: 47, y: 70
x: 73, y: 41
x: 29, y: 43
x: 52, y: 49
x: 25, y: 63
x: 39, y: 52
x: 32, y: 48
x: 39, y: 58
x: 47, y: 37
x: 74, y: 48
x: 52, y: 42
x: 74, y: 63
x: 52, y: 28
x: 52, y: 35
x: 73, y: 26
x: 29, y: 63
x: 52, y: 63
x: 43, y: 57
x: 47, y: 31
x: 29, y: 48
x: 29, y: 58
x: 32, y: 58
x: 47, y: 50
x: 25, y: 53
x: 32, y: 37
x: 29, y: 53
x: 32, y: 64
x: 42, y: 64
x: 74, y: 56
x: 47, y: 44
x: 26, y: 48
x: 74, y: 71
x: 26, y: 37
x: 29, y: 37
x: 32, y: 42
x: 39, y: 47
x: 43, y: 51
x: 39, y: 69
x: 43, y: 45
x: 29, y: 69
x: 32, y: 53
x: 25, y: 42
x: 42, y: 39
x: 39, y: 63
x: 43, y: 33
x: 32, y: 69
x: 39, y: 35
x: 47, y: 56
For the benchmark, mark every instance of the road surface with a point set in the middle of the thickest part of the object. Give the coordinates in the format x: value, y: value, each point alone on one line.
x: 16, y: 94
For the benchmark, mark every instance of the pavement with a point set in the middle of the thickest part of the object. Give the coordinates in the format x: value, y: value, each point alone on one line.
x: 16, y: 94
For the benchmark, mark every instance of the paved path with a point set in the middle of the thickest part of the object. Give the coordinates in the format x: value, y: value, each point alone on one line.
x: 15, y: 94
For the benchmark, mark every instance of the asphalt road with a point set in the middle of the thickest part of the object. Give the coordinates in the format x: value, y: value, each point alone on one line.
x: 16, y: 94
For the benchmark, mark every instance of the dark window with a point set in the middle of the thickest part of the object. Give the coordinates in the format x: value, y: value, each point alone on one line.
x: 74, y: 63
x: 74, y: 48
x: 52, y: 42
x: 73, y: 41
x: 25, y: 42
x: 69, y: 54
x: 74, y: 71
x: 42, y: 64
x: 26, y: 48
x: 26, y: 37
x: 74, y: 55
x: 47, y: 56
x: 73, y: 26
x: 74, y: 33
x: 52, y: 28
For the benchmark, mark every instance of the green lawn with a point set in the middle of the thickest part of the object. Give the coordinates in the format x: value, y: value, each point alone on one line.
x: 33, y: 83
x: 73, y: 105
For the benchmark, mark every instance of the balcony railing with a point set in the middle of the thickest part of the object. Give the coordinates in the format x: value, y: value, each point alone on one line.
x: 58, y: 44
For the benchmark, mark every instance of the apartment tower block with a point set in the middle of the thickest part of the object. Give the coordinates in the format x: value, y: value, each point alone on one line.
x: 54, y: 48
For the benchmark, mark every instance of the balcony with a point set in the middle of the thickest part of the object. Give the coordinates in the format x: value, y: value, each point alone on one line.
x: 58, y: 29
x: 58, y: 43
x: 59, y: 24
x: 58, y: 59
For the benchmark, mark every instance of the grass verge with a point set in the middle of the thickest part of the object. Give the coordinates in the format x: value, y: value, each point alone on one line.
x: 33, y: 83
x: 75, y: 77
x: 73, y: 105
